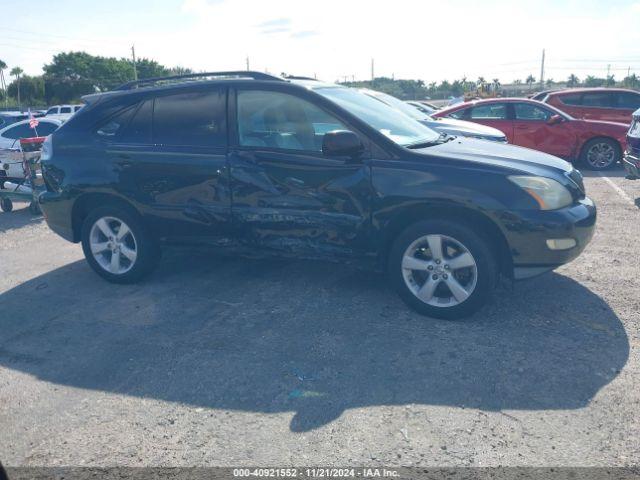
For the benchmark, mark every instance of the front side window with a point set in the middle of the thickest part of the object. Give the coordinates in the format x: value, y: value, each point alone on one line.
x: 280, y: 120
x: 493, y: 111
x: 574, y: 99
x: 526, y: 111
x: 459, y: 114
x: 597, y: 99
x: 195, y: 119
x: 392, y: 123
x: 52, y: 111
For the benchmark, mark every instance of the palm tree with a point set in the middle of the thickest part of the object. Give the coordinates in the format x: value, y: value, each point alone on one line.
x: 550, y: 82
x: 17, y: 72
x: 530, y: 81
x: 3, y: 84
x: 572, y: 81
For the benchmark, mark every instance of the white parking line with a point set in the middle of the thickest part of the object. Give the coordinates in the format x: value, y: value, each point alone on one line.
x: 621, y: 192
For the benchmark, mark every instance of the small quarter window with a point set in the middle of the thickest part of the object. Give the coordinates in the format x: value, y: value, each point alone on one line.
x: 115, y: 123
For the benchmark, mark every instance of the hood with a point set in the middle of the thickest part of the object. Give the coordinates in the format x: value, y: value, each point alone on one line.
x: 499, y: 155
x: 452, y: 126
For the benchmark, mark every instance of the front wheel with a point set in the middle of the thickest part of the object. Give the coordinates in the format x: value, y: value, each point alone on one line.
x: 600, y: 154
x: 117, y: 246
x: 6, y: 205
x: 442, y: 269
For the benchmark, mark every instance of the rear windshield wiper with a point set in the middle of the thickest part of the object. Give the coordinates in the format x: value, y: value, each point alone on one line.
x: 443, y: 138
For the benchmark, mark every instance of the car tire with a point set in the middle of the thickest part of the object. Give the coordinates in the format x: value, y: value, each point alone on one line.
x: 6, y: 205
x: 112, y: 231
x: 600, y: 154
x: 465, y: 265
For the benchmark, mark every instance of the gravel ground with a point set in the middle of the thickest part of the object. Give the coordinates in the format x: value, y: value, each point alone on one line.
x: 219, y: 361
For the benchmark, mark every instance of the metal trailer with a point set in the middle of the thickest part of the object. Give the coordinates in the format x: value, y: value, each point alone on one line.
x: 28, y: 187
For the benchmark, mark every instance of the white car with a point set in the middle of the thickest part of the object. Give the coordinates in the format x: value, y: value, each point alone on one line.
x: 62, y: 112
x: 10, y: 139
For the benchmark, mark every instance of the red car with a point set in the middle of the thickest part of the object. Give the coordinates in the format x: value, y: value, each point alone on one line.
x: 609, y: 104
x: 532, y: 124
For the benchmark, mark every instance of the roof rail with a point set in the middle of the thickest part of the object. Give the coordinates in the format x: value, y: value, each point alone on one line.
x: 235, y: 74
x: 298, y: 77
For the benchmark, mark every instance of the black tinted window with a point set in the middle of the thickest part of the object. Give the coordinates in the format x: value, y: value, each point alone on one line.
x: 628, y: 100
x: 138, y: 130
x: 19, y: 131
x: 46, y: 128
x: 597, y: 99
x: 65, y: 110
x: 572, y: 99
x: 114, y: 124
x: 191, y: 119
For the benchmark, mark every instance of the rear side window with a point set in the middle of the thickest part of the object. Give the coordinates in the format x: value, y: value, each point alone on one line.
x: 494, y: 111
x: 115, y: 123
x: 138, y: 130
x: 574, y: 99
x: 628, y: 100
x: 597, y: 99
x: 191, y: 119
x: 65, y: 110
x: 19, y: 131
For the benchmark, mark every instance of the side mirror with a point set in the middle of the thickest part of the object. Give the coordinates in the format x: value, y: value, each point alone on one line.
x: 554, y: 119
x: 341, y: 143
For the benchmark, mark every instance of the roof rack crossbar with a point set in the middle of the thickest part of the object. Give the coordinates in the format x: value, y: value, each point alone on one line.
x: 238, y: 73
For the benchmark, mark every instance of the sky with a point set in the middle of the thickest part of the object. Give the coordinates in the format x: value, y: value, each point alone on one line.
x: 337, y: 39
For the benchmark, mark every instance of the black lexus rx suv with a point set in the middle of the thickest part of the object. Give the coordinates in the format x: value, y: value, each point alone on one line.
x: 253, y: 163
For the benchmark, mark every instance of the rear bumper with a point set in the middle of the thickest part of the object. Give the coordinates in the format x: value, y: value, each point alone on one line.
x: 528, y: 233
x: 631, y: 164
x: 56, y: 208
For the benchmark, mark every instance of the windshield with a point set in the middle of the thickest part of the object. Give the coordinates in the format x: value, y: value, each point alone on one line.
x: 395, y: 125
x: 398, y: 104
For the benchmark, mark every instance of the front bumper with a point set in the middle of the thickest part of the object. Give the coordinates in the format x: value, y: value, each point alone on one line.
x: 631, y: 164
x: 527, y: 233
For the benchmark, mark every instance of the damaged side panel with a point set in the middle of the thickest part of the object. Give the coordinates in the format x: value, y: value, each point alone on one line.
x: 302, y: 204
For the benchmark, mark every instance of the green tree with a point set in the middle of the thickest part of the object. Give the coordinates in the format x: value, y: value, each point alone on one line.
x: 550, y: 82
x: 530, y: 81
x: 3, y: 83
x: 631, y: 81
x: 610, y: 81
x: 17, y: 72
x: 592, y: 81
x: 572, y: 81
x: 29, y: 89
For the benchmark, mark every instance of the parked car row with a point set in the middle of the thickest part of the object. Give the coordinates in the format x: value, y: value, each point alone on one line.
x: 252, y: 163
x: 598, y: 145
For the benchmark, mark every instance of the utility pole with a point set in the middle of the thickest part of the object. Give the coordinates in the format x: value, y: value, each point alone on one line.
x: 248, y: 63
x: 608, y: 70
x: 135, y: 68
x: 542, y: 71
x: 373, y: 76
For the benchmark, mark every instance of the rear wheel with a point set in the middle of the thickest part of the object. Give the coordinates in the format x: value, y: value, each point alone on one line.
x: 117, y: 246
x: 442, y: 269
x: 6, y: 205
x: 600, y: 153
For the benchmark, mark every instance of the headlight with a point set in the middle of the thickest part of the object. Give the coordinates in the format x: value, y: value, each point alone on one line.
x: 548, y: 193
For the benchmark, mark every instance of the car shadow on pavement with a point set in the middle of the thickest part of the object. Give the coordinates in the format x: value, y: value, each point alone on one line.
x: 18, y: 218
x: 310, y: 338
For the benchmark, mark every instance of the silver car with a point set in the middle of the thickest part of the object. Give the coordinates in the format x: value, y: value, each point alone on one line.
x: 449, y: 126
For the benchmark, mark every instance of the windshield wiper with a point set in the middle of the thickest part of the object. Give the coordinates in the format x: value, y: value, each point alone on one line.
x: 443, y: 138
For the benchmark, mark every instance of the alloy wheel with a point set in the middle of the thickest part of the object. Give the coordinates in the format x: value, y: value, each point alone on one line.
x: 439, y: 270
x: 601, y: 155
x: 113, y: 245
